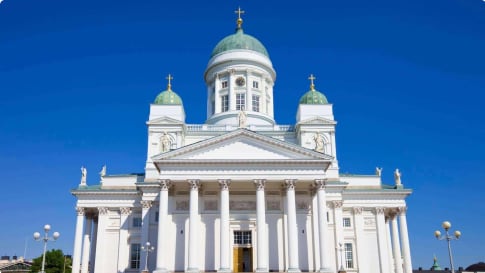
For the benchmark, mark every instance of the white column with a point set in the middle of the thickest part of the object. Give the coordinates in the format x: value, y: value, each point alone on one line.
x: 359, y: 240
x: 293, y: 263
x: 193, y: 227
x: 389, y: 245
x: 224, y: 232
x: 101, y: 240
x: 94, y: 240
x: 123, y: 247
x: 396, y: 246
x: 162, y: 227
x: 78, y: 240
x: 86, y: 245
x: 262, y: 260
x: 145, y: 228
x: 381, y: 240
x: 322, y: 224
x: 339, y: 233
x: 406, y: 252
x: 217, y: 94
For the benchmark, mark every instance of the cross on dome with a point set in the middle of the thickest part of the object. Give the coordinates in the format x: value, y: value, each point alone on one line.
x: 312, y: 78
x: 169, y: 79
x: 239, y: 19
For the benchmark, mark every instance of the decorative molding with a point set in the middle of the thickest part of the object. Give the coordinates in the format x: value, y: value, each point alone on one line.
x: 182, y: 205
x: 146, y: 204
x: 125, y: 211
x: 302, y: 204
x: 369, y: 221
x: 273, y: 205
x: 260, y: 183
x: 357, y: 210
x: 290, y: 184
x: 210, y: 205
x: 337, y: 204
x: 242, y: 205
x: 224, y: 184
x: 194, y: 184
x: 80, y: 211
x: 103, y: 210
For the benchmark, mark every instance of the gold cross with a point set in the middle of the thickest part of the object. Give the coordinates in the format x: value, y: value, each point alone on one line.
x: 169, y: 78
x: 239, y: 19
x: 311, y: 78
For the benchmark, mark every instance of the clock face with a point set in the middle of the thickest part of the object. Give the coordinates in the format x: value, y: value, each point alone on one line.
x: 240, y: 81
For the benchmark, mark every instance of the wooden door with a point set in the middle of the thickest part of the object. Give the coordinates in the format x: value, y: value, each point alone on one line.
x: 237, y: 259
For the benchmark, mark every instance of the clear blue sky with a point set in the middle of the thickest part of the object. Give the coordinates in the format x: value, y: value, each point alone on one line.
x: 406, y: 79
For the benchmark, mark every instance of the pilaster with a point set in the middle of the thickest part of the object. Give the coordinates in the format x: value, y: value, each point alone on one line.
x: 78, y: 240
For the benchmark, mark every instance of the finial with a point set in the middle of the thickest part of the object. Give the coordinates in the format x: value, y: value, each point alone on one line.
x: 169, y: 85
x: 312, y: 85
x: 239, y: 20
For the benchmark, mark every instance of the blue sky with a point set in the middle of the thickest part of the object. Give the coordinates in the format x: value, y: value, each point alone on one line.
x: 406, y: 79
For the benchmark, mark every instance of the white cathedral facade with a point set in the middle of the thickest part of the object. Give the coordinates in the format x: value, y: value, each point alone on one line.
x: 241, y: 193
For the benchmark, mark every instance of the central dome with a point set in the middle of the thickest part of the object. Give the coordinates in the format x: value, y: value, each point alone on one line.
x: 239, y: 40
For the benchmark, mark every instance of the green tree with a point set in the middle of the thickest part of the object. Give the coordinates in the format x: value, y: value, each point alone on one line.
x: 55, y: 262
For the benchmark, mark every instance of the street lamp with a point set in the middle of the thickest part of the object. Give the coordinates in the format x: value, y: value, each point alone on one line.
x: 46, y: 238
x: 447, y: 225
x: 147, y: 248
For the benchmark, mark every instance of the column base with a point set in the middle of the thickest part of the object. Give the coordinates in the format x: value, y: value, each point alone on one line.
x: 328, y: 270
x: 192, y: 270
x: 160, y: 270
x: 224, y: 270
x: 293, y: 270
x: 262, y: 270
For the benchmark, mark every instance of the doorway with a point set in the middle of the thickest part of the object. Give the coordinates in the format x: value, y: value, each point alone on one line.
x: 243, y: 251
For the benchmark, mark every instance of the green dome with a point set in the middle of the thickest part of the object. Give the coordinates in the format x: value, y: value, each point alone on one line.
x: 168, y: 97
x: 313, y: 97
x: 239, y: 40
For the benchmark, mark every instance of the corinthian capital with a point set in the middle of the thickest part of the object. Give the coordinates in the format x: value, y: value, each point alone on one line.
x: 146, y: 204
x: 224, y: 184
x: 320, y: 184
x: 357, y: 210
x: 165, y: 184
x: 260, y: 183
x: 290, y: 184
x: 125, y: 211
x: 80, y: 211
x: 380, y: 210
x: 337, y: 204
x: 103, y: 210
x: 194, y: 184
x: 402, y: 210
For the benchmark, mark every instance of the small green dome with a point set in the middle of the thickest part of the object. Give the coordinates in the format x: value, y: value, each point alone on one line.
x: 168, y: 97
x: 313, y: 97
x: 239, y: 40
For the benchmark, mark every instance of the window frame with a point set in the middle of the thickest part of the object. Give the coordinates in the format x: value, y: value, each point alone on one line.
x: 224, y: 103
x: 349, y: 255
x: 256, y: 102
x: 135, y: 256
x: 240, y: 101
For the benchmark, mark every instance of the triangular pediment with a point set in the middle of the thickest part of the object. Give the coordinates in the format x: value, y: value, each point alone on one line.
x: 317, y: 121
x: 241, y: 145
x: 164, y: 120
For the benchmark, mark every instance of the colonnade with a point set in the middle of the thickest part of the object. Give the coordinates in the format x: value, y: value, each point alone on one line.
x: 393, y: 247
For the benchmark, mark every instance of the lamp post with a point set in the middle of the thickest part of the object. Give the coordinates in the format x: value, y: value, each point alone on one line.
x: 447, y: 225
x: 46, y: 238
x: 147, y: 248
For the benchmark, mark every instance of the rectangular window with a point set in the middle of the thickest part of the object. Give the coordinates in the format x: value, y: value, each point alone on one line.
x: 240, y: 102
x: 135, y: 256
x: 242, y: 237
x: 137, y: 222
x: 349, y: 256
x: 156, y: 216
x: 255, y: 103
x: 255, y: 84
x: 225, y: 103
x: 224, y: 84
x: 347, y: 222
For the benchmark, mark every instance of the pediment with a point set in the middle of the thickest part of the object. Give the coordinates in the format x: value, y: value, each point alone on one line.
x: 241, y: 145
x: 317, y: 121
x: 165, y: 120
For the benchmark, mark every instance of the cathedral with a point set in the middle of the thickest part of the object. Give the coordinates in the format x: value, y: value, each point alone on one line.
x: 241, y: 193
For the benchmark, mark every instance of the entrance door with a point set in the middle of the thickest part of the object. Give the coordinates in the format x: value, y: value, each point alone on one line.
x: 243, y: 251
x: 243, y: 259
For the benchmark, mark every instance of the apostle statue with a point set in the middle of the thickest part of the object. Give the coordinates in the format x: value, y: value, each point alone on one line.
x: 84, y: 174
x: 242, y: 118
x: 165, y: 142
x: 102, y: 173
x: 397, y: 177
x: 318, y: 138
x: 378, y: 171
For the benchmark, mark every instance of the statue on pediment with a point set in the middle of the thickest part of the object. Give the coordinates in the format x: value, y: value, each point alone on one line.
x: 242, y: 118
